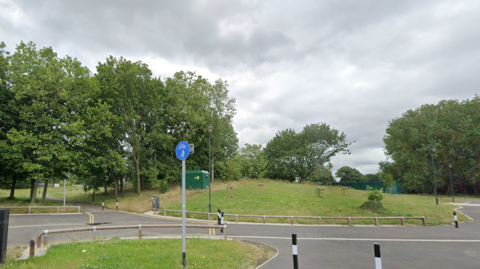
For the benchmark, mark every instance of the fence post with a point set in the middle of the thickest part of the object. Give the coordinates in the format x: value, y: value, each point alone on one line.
x: 94, y: 233
x: 291, y: 220
x: 45, y: 238
x: 103, y: 206
x: 29, y: 211
x: 455, y: 219
x: 376, y: 221
x: 116, y: 206
x: 32, y: 248
x: 263, y: 219
x: 349, y: 221
x: 208, y: 216
x: 78, y: 209
x: 236, y: 218
x: 139, y: 231
x: 403, y: 221
x: 319, y: 220
x: 164, y: 212
x: 378, y: 258
x: 57, y: 209
x: 423, y: 221
x: 295, y: 251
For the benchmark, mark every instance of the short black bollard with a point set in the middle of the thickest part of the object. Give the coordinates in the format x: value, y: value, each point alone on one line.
x: 221, y: 230
x: 295, y: 251
x: 455, y: 218
x: 103, y: 206
x: 32, y: 248
x: 4, y: 220
x: 116, y: 205
x: 378, y: 258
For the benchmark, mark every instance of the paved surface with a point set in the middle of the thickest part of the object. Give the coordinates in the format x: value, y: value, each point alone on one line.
x: 318, y: 246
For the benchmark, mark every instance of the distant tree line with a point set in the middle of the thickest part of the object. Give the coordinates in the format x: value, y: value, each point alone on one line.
x: 59, y: 120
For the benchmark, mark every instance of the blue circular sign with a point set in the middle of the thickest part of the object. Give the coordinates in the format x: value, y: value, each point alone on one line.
x: 182, y: 150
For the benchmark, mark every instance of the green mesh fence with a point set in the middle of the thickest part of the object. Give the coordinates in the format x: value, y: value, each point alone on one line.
x: 393, y: 189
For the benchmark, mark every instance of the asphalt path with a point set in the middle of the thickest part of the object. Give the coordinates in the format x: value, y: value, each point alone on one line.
x: 318, y: 246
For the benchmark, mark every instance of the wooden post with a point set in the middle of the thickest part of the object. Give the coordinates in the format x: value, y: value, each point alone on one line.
x: 39, y: 241
x: 263, y: 219
x: 29, y: 210
x: 291, y: 220
x: 165, y: 212
x: 402, y: 221
x: 423, y: 221
x: 319, y: 220
x: 32, y: 248
x: 208, y: 216
x: 349, y: 221
x: 236, y: 218
x: 139, y: 231
x: 57, y: 209
x: 376, y: 221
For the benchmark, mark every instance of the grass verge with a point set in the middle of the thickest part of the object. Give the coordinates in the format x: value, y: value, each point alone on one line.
x: 151, y: 253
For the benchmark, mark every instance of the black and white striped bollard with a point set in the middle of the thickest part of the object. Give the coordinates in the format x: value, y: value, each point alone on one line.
x: 455, y: 218
x: 116, y: 205
x: 219, y: 216
x: 378, y: 258
x: 103, y: 206
x: 295, y: 251
x: 221, y: 230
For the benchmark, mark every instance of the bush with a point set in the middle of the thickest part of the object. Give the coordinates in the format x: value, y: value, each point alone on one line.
x: 375, y: 206
x: 374, y: 195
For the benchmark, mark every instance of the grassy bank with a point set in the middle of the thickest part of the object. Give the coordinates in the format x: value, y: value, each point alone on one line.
x: 22, y: 198
x: 276, y: 198
x: 151, y: 253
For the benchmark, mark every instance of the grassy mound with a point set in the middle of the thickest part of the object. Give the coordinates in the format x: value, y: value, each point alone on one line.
x: 374, y: 206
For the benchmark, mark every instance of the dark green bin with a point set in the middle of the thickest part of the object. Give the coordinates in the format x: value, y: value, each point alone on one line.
x: 195, y: 180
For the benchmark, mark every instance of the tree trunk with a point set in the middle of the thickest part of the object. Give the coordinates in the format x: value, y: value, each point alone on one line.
x: 34, y: 191
x: 121, y: 187
x: 44, y: 196
x: 137, y: 166
x: 93, y: 195
x: 142, y: 181
x: 115, y: 186
x: 12, y: 191
x: 32, y: 182
x: 105, y: 186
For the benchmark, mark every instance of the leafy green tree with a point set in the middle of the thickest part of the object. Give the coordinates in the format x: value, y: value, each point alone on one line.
x: 348, y: 175
x: 446, y: 132
x: 252, y: 161
x: 291, y: 155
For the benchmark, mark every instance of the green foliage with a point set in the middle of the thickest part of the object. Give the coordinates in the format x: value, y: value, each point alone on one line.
x: 374, y: 194
x: 451, y: 128
x: 292, y: 155
x: 348, y: 174
x: 375, y: 206
x: 252, y: 161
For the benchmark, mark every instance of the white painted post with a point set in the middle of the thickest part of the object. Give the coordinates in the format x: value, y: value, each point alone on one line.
x: 378, y: 258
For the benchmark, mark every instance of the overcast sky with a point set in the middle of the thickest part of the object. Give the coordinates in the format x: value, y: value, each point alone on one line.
x: 355, y: 65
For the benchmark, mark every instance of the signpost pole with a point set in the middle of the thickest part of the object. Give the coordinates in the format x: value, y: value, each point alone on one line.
x: 182, y: 150
x: 183, y: 214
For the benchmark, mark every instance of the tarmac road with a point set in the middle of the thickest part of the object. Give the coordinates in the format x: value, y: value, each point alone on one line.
x: 318, y: 246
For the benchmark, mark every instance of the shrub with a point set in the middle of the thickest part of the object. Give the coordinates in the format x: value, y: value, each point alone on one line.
x: 374, y: 195
x: 375, y: 206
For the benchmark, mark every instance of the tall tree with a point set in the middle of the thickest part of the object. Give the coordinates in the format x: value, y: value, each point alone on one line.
x: 127, y: 87
x: 294, y: 156
x: 348, y: 175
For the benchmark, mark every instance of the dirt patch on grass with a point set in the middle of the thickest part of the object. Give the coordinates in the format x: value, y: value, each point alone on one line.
x: 263, y: 251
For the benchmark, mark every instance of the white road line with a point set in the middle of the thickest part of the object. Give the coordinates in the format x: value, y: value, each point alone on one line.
x: 368, y: 239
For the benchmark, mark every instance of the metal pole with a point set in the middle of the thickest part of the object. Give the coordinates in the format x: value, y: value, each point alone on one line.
x: 209, y: 174
x: 64, y: 183
x: 434, y: 180
x: 184, y: 255
x: 451, y: 182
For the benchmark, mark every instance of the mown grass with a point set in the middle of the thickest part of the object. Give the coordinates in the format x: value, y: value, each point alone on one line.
x: 286, y: 199
x: 277, y: 198
x: 151, y: 253
x: 22, y: 198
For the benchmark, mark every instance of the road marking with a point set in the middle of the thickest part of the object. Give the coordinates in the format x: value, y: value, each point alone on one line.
x: 370, y: 239
x: 90, y: 221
